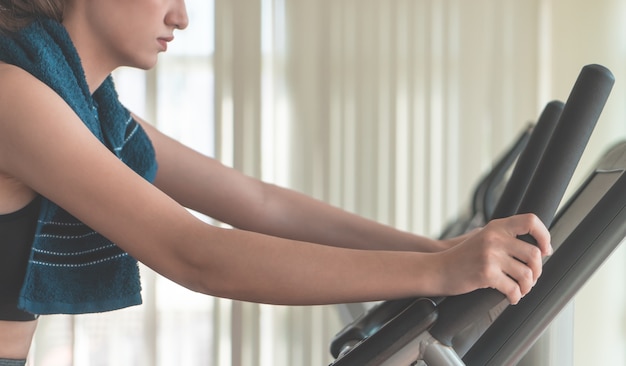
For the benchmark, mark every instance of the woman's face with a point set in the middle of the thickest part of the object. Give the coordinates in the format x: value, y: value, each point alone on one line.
x: 126, y: 32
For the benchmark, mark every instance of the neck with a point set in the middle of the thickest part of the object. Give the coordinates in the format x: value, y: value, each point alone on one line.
x: 94, y: 65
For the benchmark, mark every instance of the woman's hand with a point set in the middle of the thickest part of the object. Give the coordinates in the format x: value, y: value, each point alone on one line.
x: 445, y: 244
x: 494, y: 257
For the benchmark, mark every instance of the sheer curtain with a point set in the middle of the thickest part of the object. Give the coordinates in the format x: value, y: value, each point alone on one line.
x: 390, y: 109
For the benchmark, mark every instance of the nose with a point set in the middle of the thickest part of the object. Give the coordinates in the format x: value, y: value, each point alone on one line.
x: 177, y: 15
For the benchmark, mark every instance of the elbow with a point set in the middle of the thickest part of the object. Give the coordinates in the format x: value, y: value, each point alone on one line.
x: 212, y: 267
x: 205, y: 272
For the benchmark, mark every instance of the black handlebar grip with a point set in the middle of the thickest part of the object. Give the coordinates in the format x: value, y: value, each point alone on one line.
x: 556, y: 168
x: 545, y: 190
x: 528, y: 160
x: 489, y: 195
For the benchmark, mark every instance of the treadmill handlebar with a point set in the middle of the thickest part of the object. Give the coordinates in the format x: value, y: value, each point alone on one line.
x: 486, y: 199
x: 562, y: 154
x: 545, y: 189
x: 528, y: 160
x: 371, y: 321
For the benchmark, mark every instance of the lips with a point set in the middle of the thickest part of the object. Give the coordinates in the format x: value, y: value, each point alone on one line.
x: 163, y: 41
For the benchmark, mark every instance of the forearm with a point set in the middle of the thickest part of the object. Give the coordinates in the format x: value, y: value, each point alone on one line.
x: 225, y: 194
x: 297, y: 216
x: 253, y: 267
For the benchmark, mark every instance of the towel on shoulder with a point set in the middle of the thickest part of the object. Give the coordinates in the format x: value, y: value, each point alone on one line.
x: 73, y: 269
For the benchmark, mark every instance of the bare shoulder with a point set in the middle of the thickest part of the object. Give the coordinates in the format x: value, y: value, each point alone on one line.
x: 12, y: 76
x: 20, y: 92
x: 23, y: 100
x: 16, y: 90
x: 17, y: 86
x: 8, y: 70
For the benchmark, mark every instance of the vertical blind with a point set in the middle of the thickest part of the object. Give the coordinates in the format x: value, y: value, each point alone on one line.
x: 390, y: 109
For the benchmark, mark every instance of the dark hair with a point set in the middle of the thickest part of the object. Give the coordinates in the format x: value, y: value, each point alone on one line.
x: 15, y: 14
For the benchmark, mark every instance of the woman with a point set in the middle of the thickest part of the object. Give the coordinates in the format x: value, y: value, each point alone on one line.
x: 74, y: 167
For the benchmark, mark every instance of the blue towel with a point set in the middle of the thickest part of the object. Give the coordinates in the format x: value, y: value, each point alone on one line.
x: 73, y: 269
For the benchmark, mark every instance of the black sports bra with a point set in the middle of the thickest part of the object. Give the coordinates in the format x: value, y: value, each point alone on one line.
x: 17, y: 230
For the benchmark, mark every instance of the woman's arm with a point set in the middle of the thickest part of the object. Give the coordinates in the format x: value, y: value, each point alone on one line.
x: 205, y: 185
x: 44, y: 145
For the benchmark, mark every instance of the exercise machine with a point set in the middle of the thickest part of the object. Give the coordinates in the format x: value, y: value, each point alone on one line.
x: 480, y: 328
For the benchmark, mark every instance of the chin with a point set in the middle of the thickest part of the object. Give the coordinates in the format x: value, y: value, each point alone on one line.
x: 146, y: 63
x: 149, y: 65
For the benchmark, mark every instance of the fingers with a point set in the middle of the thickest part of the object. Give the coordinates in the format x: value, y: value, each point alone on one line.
x: 513, y: 277
x: 529, y: 258
x: 510, y: 289
x: 523, y: 275
x: 530, y: 224
x: 522, y: 264
x: 495, y: 257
